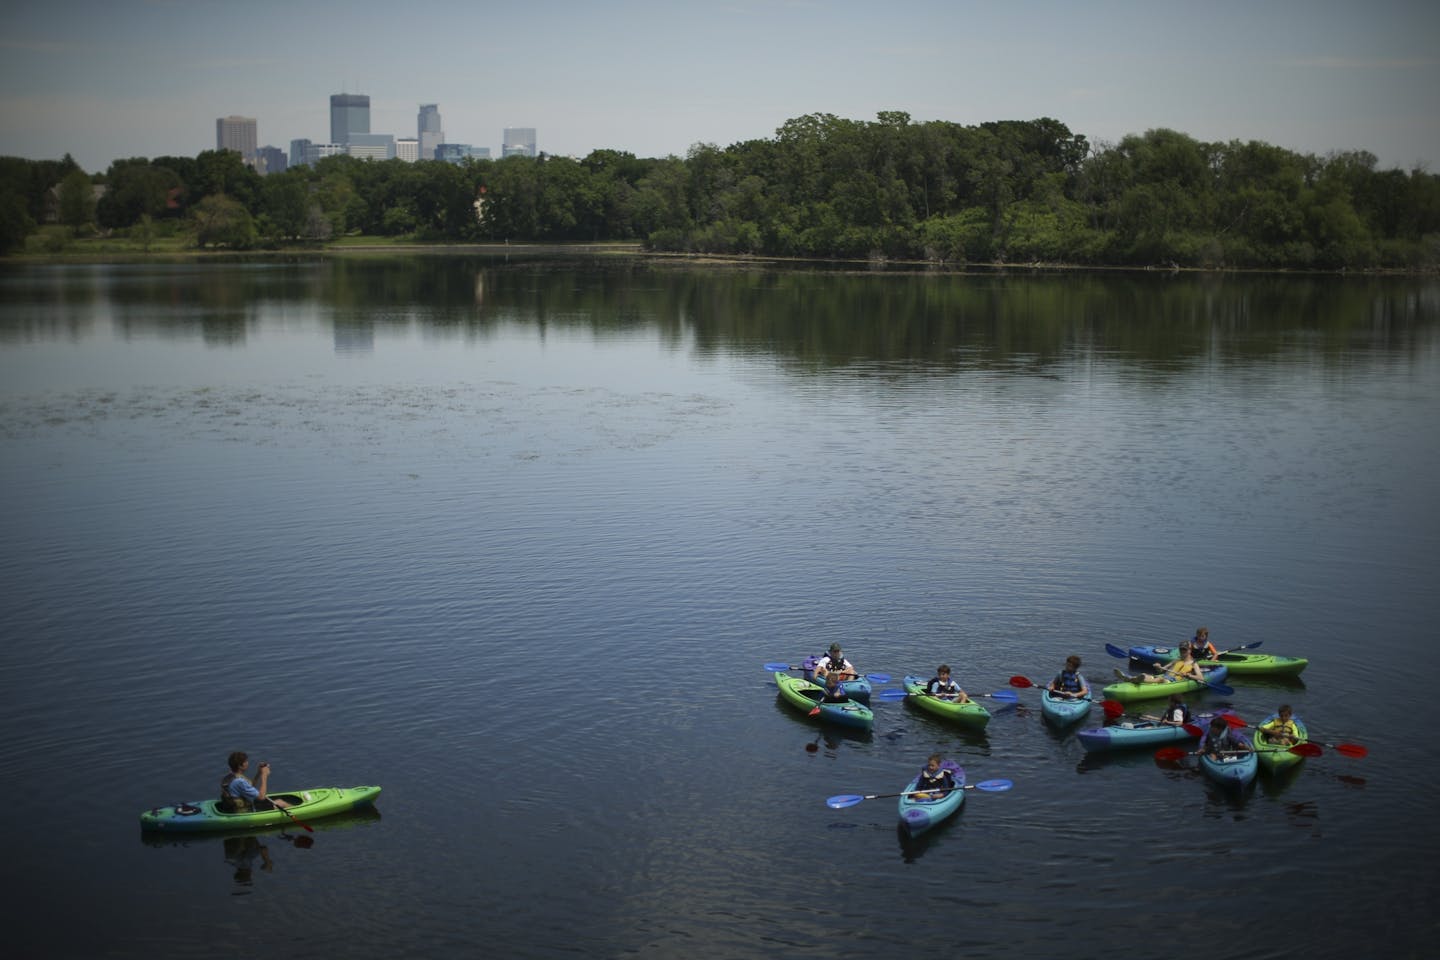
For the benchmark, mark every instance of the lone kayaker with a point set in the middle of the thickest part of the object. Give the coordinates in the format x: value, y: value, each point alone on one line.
x: 941, y: 687
x: 1068, y: 683
x: 834, y: 662
x: 238, y: 794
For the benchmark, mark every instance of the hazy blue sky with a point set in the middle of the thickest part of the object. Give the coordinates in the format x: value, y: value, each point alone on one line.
x: 122, y: 78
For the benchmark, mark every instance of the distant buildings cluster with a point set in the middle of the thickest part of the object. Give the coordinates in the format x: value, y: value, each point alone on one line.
x: 350, y: 134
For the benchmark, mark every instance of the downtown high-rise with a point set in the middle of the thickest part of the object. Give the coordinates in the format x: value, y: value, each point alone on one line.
x: 238, y: 134
x: 428, y: 130
x: 349, y: 115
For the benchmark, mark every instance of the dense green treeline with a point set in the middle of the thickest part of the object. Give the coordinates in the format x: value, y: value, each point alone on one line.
x: 1009, y: 191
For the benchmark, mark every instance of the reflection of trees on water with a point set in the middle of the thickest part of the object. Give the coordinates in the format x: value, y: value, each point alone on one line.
x: 814, y: 318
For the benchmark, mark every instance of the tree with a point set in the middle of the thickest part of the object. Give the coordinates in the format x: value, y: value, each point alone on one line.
x: 76, y: 200
x: 222, y: 221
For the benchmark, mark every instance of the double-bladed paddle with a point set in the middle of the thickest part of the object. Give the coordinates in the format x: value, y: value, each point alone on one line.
x: 1176, y: 753
x: 1025, y: 683
x: 1008, y: 696
x: 872, y: 677
x: 840, y: 801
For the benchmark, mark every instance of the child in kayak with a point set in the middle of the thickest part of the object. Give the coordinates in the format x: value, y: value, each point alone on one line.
x: 1068, y: 683
x: 1182, y: 668
x: 1176, y: 713
x: 941, y: 687
x: 1220, y: 742
x: 835, y: 662
x: 1282, y: 730
x: 834, y: 693
x: 1204, y: 649
x: 934, y: 780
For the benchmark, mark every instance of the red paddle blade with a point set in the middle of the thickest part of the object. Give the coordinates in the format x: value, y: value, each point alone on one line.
x: 1232, y: 721
x: 1193, y: 730
x: 1306, y: 750
x: 1351, y: 750
x: 1170, y: 753
x: 815, y: 712
x: 1021, y: 682
x: 1112, y: 708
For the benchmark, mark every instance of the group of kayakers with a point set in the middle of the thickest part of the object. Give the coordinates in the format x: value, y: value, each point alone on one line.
x: 833, y: 668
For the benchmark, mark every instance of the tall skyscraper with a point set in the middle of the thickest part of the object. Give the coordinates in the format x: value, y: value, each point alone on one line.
x: 518, y: 142
x: 349, y: 114
x: 428, y: 130
x: 238, y: 134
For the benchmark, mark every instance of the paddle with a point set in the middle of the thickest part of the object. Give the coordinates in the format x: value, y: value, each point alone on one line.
x: 1354, y: 750
x: 872, y: 677
x: 1219, y: 688
x: 1009, y: 696
x: 842, y: 800
x: 1176, y: 753
x: 293, y: 817
x: 1025, y: 683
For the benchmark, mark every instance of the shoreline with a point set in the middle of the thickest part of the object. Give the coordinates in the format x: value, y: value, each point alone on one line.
x: 635, y: 250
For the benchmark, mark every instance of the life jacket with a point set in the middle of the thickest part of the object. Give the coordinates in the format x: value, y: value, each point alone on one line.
x: 828, y: 662
x: 229, y: 803
x: 937, y: 687
x: 941, y: 779
x: 1068, y: 681
x: 1178, y: 713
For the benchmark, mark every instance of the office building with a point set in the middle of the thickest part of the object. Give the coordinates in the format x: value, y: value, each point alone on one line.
x: 460, y: 152
x: 428, y: 130
x: 407, y: 149
x: 349, y: 116
x: 371, y: 146
x: 238, y: 134
x: 518, y: 142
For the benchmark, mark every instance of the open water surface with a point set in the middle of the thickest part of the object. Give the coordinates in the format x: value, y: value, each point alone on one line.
x: 513, y: 538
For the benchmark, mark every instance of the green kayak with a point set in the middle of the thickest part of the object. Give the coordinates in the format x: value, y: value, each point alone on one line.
x: 1131, y: 692
x: 805, y: 696
x: 968, y: 714
x: 1258, y: 664
x: 304, y: 805
x: 1276, y: 757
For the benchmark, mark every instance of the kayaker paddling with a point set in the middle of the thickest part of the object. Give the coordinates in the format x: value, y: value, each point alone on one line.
x: 238, y: 794
x: 942, y: 687
x: 1201, y: 645
x: 1220, y: 742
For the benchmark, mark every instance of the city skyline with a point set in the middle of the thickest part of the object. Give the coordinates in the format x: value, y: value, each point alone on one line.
x: 655, y: 78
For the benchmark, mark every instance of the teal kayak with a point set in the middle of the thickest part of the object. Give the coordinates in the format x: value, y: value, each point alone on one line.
x: 969, y: 714
x: 804, y: 695
x: 921, y: 811
x: 1132, y: 733
x: 1063, y: 711
x: 1277, y: 757
x: 309, y: 804
x: 1232, y: 770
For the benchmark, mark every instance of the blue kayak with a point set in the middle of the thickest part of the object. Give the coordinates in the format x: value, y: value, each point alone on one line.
x: 1232, y: 770
x: 1063, y: 711
x: 805, y: 696
x: 920, y: 812
x: 1132, y: 733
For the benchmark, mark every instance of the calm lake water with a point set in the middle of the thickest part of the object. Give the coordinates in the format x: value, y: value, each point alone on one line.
x: 513, y: 539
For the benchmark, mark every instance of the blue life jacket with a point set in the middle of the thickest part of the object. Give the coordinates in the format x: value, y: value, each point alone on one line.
x: 1068, y: 681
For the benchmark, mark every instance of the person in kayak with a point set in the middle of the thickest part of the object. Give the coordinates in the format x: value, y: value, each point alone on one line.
x: 238, y: 794
x: 834, y: 693
x: 1068, y: 683
x: 1282, y: 730
x: 835, y: 662
x: 1176, y: 714
x: 1183, y: 667
x: 1220, y: 742
x: 934, y: 779
x: 941, y: 687
x: 1201, y: 645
